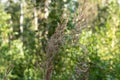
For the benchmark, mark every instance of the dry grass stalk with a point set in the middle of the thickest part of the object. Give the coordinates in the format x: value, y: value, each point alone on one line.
x: 82, y: 20
x: 86, y: 14
x: 54, y: 44
x: 87, y: 11
x: 8, y: 71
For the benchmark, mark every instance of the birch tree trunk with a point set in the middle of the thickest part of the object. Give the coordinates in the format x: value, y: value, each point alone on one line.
x: 21, y: 24
x: 35, y: 17
x: 21, y: 16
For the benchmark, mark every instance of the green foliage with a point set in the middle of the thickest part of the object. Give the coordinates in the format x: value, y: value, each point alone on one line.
x: 95, y: 55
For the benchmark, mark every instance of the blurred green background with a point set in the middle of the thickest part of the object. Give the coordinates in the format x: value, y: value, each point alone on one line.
x: 31, y: 41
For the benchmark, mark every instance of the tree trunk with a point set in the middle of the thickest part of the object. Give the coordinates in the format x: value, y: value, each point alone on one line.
x: 21, y: 23
x: 35, y: 17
